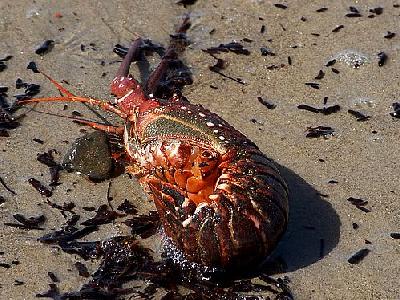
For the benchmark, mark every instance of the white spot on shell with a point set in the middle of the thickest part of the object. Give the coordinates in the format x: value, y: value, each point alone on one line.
x: 187, y: 221
x: 210, y: 124
x: 151, y: 95
x: 202, y: 115
x: 221, y: 138
x: 215, y: 131
x: 198, y: 208
x: 213, y: 197
x: 223, y: 186
x: 183, y: 107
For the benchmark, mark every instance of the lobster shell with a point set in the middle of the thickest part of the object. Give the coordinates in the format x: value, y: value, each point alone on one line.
x: 245, y: 211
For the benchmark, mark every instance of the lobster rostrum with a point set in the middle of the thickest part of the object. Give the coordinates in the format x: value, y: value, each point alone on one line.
x: 221, y: 201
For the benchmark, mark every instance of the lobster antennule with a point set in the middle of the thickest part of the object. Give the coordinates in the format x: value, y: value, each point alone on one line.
x: 118, y: 130
x: 93, y: 102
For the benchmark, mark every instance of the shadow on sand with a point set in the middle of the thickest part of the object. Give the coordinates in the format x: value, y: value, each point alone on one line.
x: 313, y: 230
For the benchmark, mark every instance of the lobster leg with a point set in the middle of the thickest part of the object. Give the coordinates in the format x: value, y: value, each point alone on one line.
x: 123, y: 82
x: 118, y: 130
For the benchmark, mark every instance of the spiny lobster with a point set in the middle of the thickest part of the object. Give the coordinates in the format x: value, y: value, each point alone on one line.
x: 220, y: 199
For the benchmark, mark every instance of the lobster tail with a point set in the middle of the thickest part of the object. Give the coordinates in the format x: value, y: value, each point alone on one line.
x: 242, y: 223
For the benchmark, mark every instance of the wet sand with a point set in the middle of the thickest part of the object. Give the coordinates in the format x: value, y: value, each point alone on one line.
x: 360, y: 160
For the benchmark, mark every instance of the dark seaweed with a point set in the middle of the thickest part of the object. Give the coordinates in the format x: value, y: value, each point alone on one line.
x: 44, y: 48
x: 5, y: 265
x: 39, y: 141
x: 40, y: 187
x: 376, y: 10
x: 266, y: 51
x: 313, y: 85
x: 359, y: 203
x: 148, y: 47
x: 234, y: 47
x: 6, y: 186
x: 103, y: 216
x: 353, y: 9
x: 325, y: 110
x: 353, y: 15
x: 355, y: 225
x: 89, y: 208
x: 289, y: 60
x: 396, y: 108
x: 66, y: 234
x: 127, y: 207
x: 320, y: 75
x: 7, y: 120
x: 144, y: 225
x: 47, y: 159
x: 337, y: 28
x: 32, y: 66
x: 318, y: 131
x: 389, y: 35
x: 359, y: 115
x: 31, y: 89
x: 336, y: 71
x: 18, y: 282
x: 186, y: 2
x: 7, y: 58
x: 382, y: 58
x: 322, y: 9
x: 3, y: 66
x: 331, y: 63
x: 358, y: 256
x: 2, y: 200
x: 83, y: 271
x: 27, y: 223
x: 263, y: 28
x: 274, y: 67
x: 395, y: 235
x: 279, y: 5
x: 266, y: 103
x: 53, y: 277
x: 66, y: 207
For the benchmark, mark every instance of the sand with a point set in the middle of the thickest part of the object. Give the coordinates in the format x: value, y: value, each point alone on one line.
x: 361, y: 159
